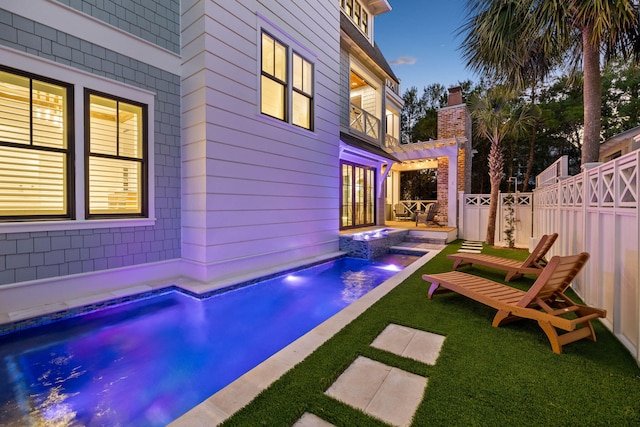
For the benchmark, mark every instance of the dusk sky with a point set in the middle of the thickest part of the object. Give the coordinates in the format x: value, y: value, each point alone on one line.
x: 419, y: 40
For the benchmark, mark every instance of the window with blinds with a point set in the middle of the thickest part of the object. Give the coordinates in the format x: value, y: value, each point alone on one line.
x: 35, y: 147
x: 116, y: 156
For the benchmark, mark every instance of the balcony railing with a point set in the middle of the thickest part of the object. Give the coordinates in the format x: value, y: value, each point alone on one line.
x: 391, y: 142
x: 364, y: 122
x: 393, y: 86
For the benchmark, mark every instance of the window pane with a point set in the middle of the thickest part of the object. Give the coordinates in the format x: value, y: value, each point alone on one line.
x: 267, y: 54
x: 14, y: 109
x: 130, y: 130
x: 301, y: 111
x: 49, y: 112
x: 280, y: 62
x: 302, y: 75
x: 307, y: 69
x: 273, y: 98
x: 347, y: 196
x: 103, y: 131
x: 32, y: 182
x: 115, y: 186
x: 297, y: 72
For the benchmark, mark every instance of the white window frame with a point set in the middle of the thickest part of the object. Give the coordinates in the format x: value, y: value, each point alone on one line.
x: 81, y: 80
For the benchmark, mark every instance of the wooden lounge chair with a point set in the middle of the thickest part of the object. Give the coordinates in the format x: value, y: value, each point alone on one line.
x: 514, y: 268
x: 544, y: 302
x: 401, y: 213
x: 429, y: 215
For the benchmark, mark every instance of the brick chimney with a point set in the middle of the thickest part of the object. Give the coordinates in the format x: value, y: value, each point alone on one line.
x: 454, y: 121
x: 455, y: 96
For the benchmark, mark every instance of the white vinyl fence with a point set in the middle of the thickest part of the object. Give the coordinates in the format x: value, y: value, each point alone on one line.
x: 596, y: 211
x: 474, y: 216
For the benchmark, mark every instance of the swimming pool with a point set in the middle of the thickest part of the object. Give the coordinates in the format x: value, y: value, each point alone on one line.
x: 146, y: 362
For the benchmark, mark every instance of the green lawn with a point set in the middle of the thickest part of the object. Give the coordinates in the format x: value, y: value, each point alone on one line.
x: 484, y: 376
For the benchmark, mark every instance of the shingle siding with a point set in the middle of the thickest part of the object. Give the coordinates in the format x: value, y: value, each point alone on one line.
x: 155, y: 22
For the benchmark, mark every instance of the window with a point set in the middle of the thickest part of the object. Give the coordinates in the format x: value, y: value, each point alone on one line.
x: 274, y: 77
x: 286, y: 98
x: 364, y: 22
x: 116, y: 159
x: 356, y: 11
x: 36, y: 156
x: 356, y: 14
x: 348, y: 7
x: 302, y: 92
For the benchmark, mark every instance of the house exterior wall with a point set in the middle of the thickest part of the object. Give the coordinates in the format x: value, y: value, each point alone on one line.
x: 60, y: 249
x: 345, y: 94
x: 157, y: 23
x: 257, y: 192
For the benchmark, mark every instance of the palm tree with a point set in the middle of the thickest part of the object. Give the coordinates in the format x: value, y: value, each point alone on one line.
x: 497, y: 115
x: 504, y: 37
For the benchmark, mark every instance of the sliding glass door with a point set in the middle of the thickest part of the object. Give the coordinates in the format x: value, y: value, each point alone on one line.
x: 357, y: 204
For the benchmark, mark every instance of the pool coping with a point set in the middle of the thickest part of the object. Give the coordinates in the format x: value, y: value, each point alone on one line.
x: 224, y: 403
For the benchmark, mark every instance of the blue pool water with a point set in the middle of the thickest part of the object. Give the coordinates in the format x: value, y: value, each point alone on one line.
x: 146, y: 362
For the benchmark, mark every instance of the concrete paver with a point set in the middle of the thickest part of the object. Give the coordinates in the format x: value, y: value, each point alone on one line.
x: 310, y: 420
x: 411, y: 343
x: 384, y: 392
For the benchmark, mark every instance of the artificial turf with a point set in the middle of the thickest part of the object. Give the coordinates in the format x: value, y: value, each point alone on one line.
x: 484, y: 376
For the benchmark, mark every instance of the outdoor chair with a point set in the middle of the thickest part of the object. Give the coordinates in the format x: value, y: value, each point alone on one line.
x: 401, y: 213
x: 428, y: 216
x: 534, y: 263
x: 545, y: 302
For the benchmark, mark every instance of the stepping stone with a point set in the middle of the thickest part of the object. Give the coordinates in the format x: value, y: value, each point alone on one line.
x: 411, y: 343
x: 310, y: 420
x: 384, y: 392
x: 471, y: 247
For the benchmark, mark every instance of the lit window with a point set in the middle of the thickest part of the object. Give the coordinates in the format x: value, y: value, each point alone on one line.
x: 116, y: 156
x: 286, y: 99
x: 35, y: 152
x: 274, y: 77
x: 302, y: 92
x: 364, y: 22
x: 356, y: 14
x: 348, y: 7
x: 356, y: 11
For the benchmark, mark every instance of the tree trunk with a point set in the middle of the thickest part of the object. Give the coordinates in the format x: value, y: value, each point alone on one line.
x: 592, y: 97
x: 532, y: 145
x: 495, y: 176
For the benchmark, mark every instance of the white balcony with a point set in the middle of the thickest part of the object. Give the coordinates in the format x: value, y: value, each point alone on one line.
x: 364, y: 122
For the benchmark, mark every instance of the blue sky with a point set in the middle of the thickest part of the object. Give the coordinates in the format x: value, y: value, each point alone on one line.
x: 418, y: 38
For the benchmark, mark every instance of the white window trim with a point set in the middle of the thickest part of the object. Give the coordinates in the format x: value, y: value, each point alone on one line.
x: 292, y: 45
x: 81, y: 79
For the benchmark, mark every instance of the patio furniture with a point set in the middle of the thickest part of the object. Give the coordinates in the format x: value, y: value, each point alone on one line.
x: 544, y: 302
x: 401, y: 213
x: 428, y: 216
x: 534, y: 263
